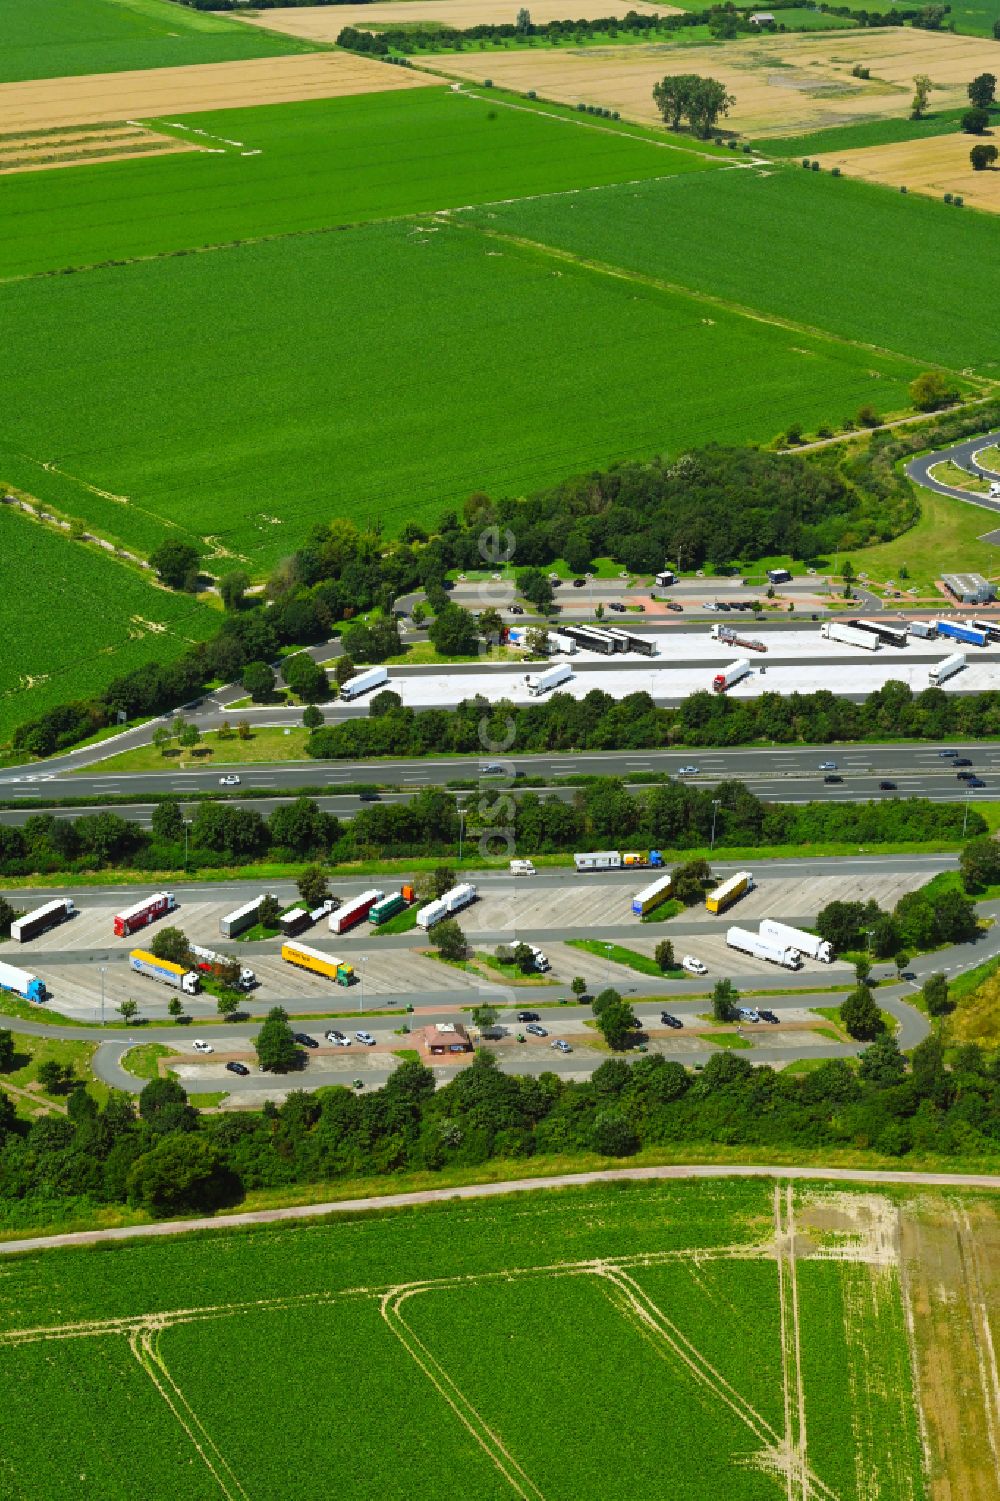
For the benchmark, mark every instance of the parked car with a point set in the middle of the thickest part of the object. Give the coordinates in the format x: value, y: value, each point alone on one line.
x: 365, y: 1038
x: 579, y: 583
x: 617, y: 606
x: 670, y: 1021
x: 232, y: 780
x: 534, y: 1030
x: 516, y: 609
x: 828, y: 766
x: 238, y: 1068
x: 722, y: 606
x: 304, y: 1040
x: 527, y: 1016
x: 672, y: 604
x: 693, y: 966
x: 339, y: 1039
x: 769, y: 1016
x: 748, y: 1014
x: 710, y: 605
x: 562, y: 1047
x: 202, y: 1047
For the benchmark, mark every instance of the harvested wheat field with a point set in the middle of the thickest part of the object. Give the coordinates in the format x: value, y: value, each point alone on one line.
x: 78, y: 146
x: 157, y: 91
x: 323, y: 23
x: 935, y: 165
x: 783, y: 85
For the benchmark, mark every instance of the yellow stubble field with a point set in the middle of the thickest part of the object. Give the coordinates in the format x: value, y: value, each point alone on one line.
x: 783, y: 85
x: 100, y: 97
x: 323, y: 23
x: 935, y: 165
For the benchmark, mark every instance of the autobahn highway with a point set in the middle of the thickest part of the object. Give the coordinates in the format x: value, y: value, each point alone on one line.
x: 785, y: 773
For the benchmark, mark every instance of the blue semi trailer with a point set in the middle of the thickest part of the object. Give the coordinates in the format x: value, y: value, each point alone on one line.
x: 967, y: 633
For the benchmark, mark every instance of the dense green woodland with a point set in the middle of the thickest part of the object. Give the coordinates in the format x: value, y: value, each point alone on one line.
x: 672, y: 815
x: 171, y: 1159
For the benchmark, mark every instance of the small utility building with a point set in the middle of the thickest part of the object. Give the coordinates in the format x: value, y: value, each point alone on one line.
x: 446, y: 1037
x: 969, y: 588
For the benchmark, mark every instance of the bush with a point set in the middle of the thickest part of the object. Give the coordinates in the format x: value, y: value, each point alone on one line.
x: 975, y: 121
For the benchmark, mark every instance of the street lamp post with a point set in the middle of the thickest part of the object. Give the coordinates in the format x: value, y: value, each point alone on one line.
x: 716, y: 804
x: 364, y: 961
x: 965, y: 820
x: 187, y: 826
x: 461, y: 830
x: 102, y: 970
x: 608, y: 948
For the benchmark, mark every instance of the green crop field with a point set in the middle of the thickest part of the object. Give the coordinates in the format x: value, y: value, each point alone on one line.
x: 58, y: 38
x: 865, y: 133
x: 321, y: 163
x: 662, y: 1341
x: 786, y: 243
x: 383, y: 372
x: 72, y: 619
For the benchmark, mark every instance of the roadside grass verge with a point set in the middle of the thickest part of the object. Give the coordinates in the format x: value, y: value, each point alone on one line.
x: 31, y: 1052
x: 143, y: 1061
x: 617, y: 954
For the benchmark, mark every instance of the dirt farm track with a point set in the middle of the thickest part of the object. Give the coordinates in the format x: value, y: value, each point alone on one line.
x: 100, y: 97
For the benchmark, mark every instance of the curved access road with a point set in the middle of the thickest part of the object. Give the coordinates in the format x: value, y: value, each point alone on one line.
x: 964, y: 455
x: 493, y: 1190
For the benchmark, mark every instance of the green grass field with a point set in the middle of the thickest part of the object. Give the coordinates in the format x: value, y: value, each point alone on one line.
x: 72, y: 619
x: 322, y: 163
x: 865, y: 133
x: 455, y: 1346
x: 786, y: 244
x: 381, y: 373
x: 973, y: 17
x: 57, y: 38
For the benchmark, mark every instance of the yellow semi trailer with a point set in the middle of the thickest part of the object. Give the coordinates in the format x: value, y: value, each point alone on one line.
x: 319, y: 964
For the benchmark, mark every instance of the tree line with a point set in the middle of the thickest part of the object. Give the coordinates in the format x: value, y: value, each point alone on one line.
x: 602, y: 813
x: 168, y: 1159
x: 597, y: 721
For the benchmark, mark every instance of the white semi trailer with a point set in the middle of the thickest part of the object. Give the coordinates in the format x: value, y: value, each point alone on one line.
x: 849, y: 635
x: 941, y: 671
x: 549, y: 679
x: 808, y: 944
x: 760, y: 948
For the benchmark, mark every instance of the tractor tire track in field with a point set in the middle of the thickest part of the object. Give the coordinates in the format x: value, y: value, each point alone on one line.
x: 467, y: 1414
x: 778, y: 1456
x: 709, y: 299
x: 791, y: 1345
x: 143, y: 1344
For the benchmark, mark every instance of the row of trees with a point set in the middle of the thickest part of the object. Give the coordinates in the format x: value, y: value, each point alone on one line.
x: 168, y: 1159
x: 600, y: 722
x: 670, y: 815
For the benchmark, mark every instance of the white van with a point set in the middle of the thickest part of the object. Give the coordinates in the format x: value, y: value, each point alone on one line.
x: 521, y: 868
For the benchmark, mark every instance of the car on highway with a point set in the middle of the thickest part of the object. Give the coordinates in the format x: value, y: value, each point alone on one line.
x: 672, y: 604
x: 886, y: 786
x: 963, y: 761
x: 948, y: 754
x: 831, y: 778
x: 693, y: 966
x: 579, y: 583
x: 687, y: 771
x: 828, y: 766
x: 491, y: 769
x: 561, y: 1046
x: 339, y: 1039
x: 201, y: 1046
x: 238, y: 1068
x: 527, y: 1016
x: 369, y: 797
x: 975, y: 782
x: 670, y: 1021
x: 534, y: 1030
x: 304, y: 1040
x: 966, y: 776
x: 232, y: 780
x: 366, y: 1039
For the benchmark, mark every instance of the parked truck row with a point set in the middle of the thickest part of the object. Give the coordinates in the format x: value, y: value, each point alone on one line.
x: 446, y: 905
x: 780, y: 944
